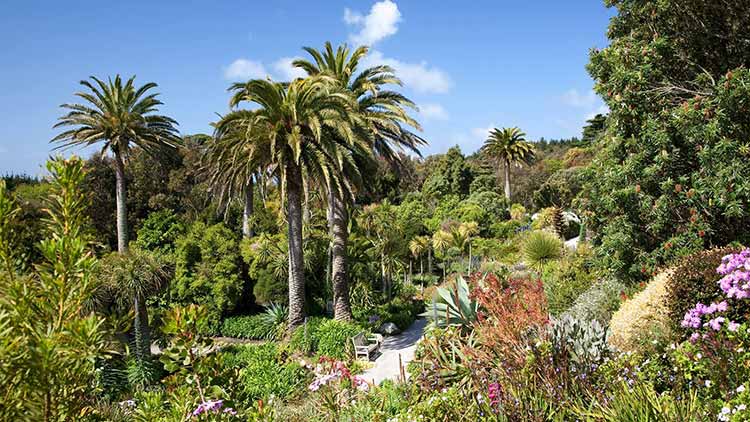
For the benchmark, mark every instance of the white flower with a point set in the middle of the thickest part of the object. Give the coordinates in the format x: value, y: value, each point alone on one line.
x: 741, y: 389
x: 742, y: 407
x: 708, y: 383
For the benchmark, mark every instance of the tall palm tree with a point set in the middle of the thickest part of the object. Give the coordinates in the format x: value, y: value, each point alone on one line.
x: 238, y: 154
x: 383, y: 119
x: 508, y: 146
x: 441, y: 241
x: 292, y: 118
x: 121, y: 117
x: 418, y: 246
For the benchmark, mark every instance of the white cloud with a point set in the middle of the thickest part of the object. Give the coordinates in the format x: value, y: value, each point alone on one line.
x: 284, y: 68
x: 482, y: 133
x: 420, y: 77
x: 602, y: 109
x: 576, y: 99
x: 243, y: 69
x: 380, y: 23
x: 433, y: 111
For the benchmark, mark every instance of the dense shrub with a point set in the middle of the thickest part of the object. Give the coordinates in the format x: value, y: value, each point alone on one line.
x: 643, y: 319
x: 208, y: 269
x: 305, y: 337
x: 159, y: 231
x: 505, y: 229
x: 262, y: 371
x: 566, y: 280
x: 246, y: 326
x: 695, y: 280
x: 599, y: 302
x: 334, y: 338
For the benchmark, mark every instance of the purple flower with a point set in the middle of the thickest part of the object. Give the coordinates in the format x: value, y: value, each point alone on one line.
x: 733, y: 326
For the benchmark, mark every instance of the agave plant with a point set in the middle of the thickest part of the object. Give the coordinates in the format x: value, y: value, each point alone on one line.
x: 453, y: 306
x: 275, y: 320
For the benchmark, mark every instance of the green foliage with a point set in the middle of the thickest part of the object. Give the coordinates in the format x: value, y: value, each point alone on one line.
x: 560, y: 189
x: 48, y: 343
x: 305, y: 337
x: 599, y: 302
x: 565, y: 280
x: 453, y: 306
x: 695, y: 280
x: 670, y: 177
x: 450, y: 176
x: 541, y: 247
x: 334, y: 338
x: 263, y: 373
x: 641, y: 403
x: 208, y: 269
x: 275, y: 318
x: 160, y: 231
x: 252, y: 327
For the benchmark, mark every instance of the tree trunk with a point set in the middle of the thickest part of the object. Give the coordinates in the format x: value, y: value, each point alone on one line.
x: 247, y: 212
x: 507, y: 179
x: 296, y: 263
x: 338, y: 220
x: 122, y: 208
x: 141, y: 329
x: 429, y: 261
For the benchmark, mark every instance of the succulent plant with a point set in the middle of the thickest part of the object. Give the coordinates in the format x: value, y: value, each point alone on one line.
x: 453, y: 306
x: 584, y: 341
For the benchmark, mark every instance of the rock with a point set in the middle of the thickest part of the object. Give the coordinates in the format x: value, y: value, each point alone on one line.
x: 389, y: 329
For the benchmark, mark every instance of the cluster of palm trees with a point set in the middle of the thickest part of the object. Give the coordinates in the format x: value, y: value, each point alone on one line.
x: 311, y: 134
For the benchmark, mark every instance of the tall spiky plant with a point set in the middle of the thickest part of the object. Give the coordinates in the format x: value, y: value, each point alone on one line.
x: 508, y: 146
x: 383, y: 121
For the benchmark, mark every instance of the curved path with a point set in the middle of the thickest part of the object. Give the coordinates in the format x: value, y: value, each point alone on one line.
x: 403, y: 345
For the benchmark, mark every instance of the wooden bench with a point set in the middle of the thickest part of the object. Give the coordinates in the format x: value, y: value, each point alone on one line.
x: 366, y: 346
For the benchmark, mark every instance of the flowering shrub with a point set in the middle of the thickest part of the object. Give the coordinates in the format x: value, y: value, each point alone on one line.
x: 336, y: 385
x: 694, y: 281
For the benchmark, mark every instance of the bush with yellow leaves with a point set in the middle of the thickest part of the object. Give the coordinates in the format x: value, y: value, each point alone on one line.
x: 643, y: 321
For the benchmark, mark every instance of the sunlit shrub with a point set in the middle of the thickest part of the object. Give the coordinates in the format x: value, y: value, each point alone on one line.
x: 565, y: 280
x: 599, y: 302
x: 541, y: 247
x: 644, y: 319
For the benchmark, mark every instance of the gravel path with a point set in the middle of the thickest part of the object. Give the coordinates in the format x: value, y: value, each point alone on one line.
x: 404, y: 345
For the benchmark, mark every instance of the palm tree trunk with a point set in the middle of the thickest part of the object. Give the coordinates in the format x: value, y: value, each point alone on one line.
x: 429, y: 261
x: 122, y: 208
x: 507, y: 179
x: 247, y: 212
x: 338, y: 220
x: 296, y: 263
x: 141, y: 329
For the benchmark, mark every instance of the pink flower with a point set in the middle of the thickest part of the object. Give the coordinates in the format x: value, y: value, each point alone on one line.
x: 733, y: 326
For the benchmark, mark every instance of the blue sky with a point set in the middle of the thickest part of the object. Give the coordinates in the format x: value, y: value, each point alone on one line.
x: 469, y: 65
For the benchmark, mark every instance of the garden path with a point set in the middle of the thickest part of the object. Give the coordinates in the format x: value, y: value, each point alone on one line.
x: 403, y: 345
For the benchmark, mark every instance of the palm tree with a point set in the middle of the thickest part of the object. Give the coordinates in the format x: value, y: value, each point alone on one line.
x: 441, y: 241
x: 292, y: 119
x: 132, y: 276
x: 121, y: 117
x: 238, y: 154
x: 382, y: 116
x: 418, y: 246
x: 508, y: 146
